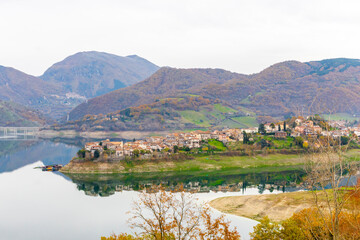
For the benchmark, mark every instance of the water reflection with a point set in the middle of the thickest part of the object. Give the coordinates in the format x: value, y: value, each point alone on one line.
x: 106, y: 185
x: 42, y: 205
x: 16, y: 153
x: 36, y: 204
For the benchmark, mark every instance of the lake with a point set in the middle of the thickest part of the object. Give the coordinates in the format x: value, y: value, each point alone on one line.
x: 49, y: 205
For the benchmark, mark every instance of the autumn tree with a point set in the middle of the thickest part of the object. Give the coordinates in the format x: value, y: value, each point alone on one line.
x: 266, y: 230
x: 124, y: 236
x: 335, y: 211
x: 329, y: 174
x: 162, y: 215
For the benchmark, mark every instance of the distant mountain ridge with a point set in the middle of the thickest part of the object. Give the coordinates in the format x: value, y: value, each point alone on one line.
x: 290, y: 87
x: 30, y: 91
x: 64, y: 85
x: 95, y: 73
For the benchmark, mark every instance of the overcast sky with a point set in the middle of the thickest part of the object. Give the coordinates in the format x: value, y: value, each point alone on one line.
x: 240, y: 36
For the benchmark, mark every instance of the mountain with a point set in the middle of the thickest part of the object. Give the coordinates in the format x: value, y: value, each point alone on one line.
x: 51, y: 99
x: 287, y: 88
x: 93, y: 73
x: 166, y: 82
x: 176, y: 113
x: 69, y: 82
x: 16, y: 115
x: 297, y: 88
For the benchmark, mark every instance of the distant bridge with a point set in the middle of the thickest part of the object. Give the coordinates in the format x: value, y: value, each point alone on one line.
x: 14, y: 132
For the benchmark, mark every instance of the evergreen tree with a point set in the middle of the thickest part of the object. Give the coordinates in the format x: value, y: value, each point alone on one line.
x: 96, y: 154
x: 246, y: 138
x: 262, y: 128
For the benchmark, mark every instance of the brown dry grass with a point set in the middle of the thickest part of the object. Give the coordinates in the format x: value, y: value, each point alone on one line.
x: 277, y: 207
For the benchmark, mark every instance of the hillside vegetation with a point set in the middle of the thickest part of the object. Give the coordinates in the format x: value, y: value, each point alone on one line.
x: 287, y: 88
x: 166, y: 82
x: 176, y: 113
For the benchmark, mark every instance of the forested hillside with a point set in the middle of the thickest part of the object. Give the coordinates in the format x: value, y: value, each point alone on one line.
x: 176, y: 113
x: 287, y: 88
x: 166, y: 82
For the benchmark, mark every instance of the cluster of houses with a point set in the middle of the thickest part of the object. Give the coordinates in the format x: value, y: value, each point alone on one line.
x: 342, y: 129
x: 304, y: 127
x: 158, y: 143
x: 301, y: 127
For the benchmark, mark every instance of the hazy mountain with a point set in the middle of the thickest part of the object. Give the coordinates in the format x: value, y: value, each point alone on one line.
x: 16, y: 115
x: 93, y: 73
x: 285, y: 88
x: 49, y: 98
x: 23, y: 88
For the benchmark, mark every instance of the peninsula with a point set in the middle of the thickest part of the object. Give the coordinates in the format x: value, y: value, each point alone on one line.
x: 269, y: 147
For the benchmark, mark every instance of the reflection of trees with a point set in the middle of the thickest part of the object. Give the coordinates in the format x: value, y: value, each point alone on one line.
x: 8, y: 147
x: 105, y: 185
x: 97, y: 189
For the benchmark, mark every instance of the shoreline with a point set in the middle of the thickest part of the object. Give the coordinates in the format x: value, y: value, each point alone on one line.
x: 98, y: 134
x: 208, y: 163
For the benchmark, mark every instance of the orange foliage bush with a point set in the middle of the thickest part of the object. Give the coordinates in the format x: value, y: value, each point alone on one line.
x: 309, y: 224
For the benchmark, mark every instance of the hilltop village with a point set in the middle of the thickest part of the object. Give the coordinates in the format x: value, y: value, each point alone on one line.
x: 298, y: 130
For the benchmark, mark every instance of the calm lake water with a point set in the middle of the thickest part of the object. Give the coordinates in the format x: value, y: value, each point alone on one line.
x: 49, y: 205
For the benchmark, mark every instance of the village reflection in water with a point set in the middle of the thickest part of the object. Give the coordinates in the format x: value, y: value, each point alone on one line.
x: 107, y: 185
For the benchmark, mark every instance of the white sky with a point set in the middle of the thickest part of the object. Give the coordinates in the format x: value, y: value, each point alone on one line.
x: 240, y: 36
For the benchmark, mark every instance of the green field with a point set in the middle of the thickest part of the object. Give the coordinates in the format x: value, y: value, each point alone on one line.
x: 340, y: 116
x: 223, y: 109
x: 280, y: 143
x: 231, y: 124
x: 195, y: 117
x: 217, y: 116
x: 246, y: 122
x: 217, y: 144
x: 207, y: 117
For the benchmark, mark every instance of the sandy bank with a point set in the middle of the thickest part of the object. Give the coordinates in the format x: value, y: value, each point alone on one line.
x: 277, y: 207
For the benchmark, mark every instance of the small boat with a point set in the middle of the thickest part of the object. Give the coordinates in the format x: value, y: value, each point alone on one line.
x: 52, y: 168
